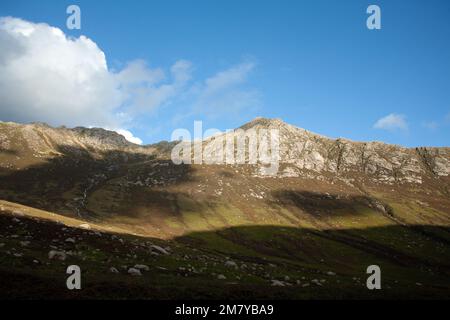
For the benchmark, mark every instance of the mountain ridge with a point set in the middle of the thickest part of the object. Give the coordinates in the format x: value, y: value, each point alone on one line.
x: 261, y: 122
x: 301, y: 152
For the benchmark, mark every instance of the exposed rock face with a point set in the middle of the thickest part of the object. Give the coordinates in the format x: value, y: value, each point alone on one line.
x: 41, y: 138
x: 303, y: 152
x: 24, y: 144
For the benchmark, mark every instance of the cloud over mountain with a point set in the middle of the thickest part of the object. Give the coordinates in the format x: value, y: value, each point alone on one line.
x: 391, y: 122
x: 48, y: 76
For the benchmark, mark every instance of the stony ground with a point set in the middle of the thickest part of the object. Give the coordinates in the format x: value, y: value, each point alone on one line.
x: 268, y: 262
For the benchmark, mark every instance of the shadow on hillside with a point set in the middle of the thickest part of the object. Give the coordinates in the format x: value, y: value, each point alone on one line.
x: 8, y: 152
x: 75, y: 172
x: 319, y: 204
x: 336, y: 248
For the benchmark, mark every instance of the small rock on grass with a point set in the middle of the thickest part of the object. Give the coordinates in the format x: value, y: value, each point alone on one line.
x: 277, y: 283
x: 159, y: 249
x: 134, y: 272
x: 231, y: 264
x: 142, y: 267
x: 18, y: 213
x: 113, y: 270
x: 57, y: 255
x: 316, y: 282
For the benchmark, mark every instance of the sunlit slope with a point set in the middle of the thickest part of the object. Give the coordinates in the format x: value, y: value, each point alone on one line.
x: 246, y: 261
x: 214, y: 197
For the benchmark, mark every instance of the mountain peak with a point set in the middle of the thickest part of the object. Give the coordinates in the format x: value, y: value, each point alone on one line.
x: 266, y: 123
x: 103, y: 135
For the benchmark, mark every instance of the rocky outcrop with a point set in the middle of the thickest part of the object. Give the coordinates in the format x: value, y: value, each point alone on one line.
x: 23, y: 145
x: 303, y: 153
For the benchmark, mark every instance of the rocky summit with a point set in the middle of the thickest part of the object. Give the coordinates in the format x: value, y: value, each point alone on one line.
x: 133, y: 218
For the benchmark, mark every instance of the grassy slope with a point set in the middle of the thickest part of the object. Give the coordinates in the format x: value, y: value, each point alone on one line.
x: 264, y: 252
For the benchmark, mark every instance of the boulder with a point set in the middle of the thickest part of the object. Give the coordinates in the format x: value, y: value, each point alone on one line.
x: 159, y: 249
x: 85, y: 226
x: 134, y: 272
x: 142, y: 267
x: 277, y: 283
x: 25, y: 243
x: 113, y: 270
x: 231, y: 264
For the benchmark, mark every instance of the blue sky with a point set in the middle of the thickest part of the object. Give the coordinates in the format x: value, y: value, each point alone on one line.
x: 312, y: 63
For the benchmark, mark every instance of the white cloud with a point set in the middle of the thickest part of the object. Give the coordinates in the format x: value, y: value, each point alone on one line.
x: 143, y: 88
x: 392, y: 122
x: 129, y: 136
x: 137, y: 72
x: 50, y: 77
x: 227, y: 78
x: 181, y: 71
x: 47, y: 76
